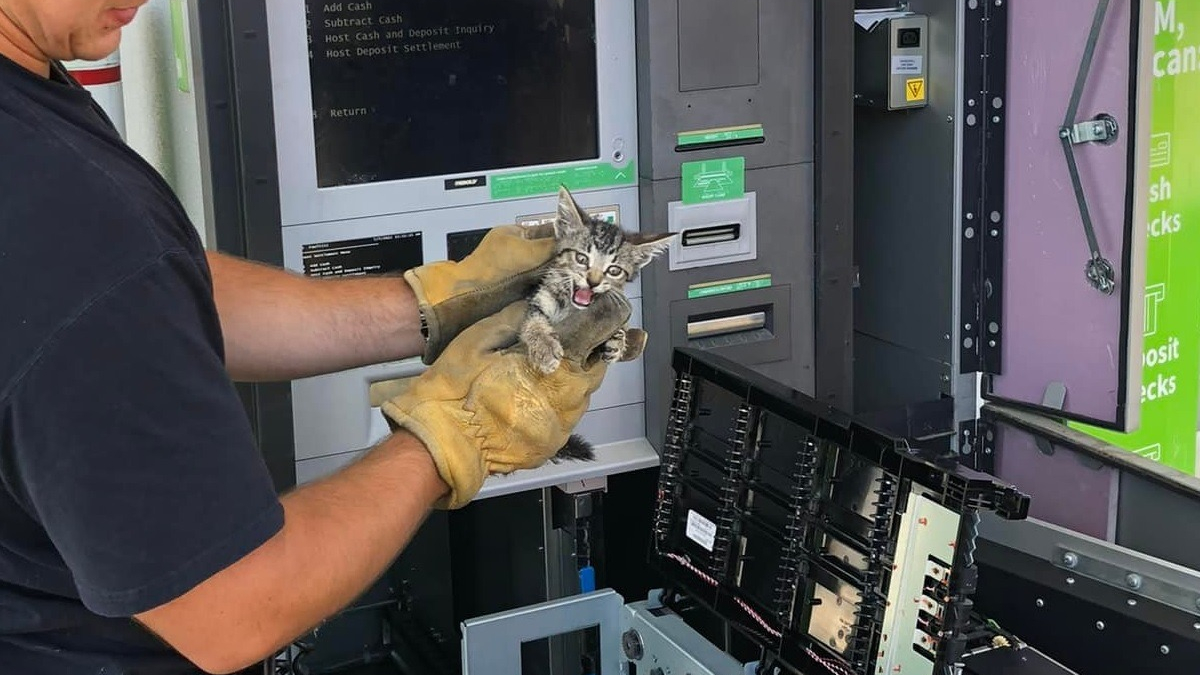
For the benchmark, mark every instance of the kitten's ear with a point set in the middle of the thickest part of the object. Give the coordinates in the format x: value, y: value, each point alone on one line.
x: 569, y: 215
x: 649, y: 245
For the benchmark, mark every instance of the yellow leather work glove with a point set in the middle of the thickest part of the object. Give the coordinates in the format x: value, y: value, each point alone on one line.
x: 503, y: 269
x: 483, y: 409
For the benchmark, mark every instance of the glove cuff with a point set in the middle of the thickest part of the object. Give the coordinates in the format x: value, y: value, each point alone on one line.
x: 459, y: 462
x: 430, y: 326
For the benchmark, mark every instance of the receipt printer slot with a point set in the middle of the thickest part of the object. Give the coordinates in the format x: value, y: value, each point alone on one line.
x: 716, y: 234
x: 712, y: 233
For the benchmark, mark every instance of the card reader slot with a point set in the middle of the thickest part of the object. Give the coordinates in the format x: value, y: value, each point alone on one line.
x: 726, y: 324
x: 713, y: 234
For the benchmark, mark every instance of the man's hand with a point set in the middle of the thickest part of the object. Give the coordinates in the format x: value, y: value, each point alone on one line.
x: 484, y: 409
x: 503, y: 269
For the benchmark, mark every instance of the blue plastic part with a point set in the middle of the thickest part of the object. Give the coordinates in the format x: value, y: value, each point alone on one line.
x: 587, y: 579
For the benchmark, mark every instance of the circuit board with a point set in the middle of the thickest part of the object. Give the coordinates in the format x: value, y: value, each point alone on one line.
x: 836, y: 547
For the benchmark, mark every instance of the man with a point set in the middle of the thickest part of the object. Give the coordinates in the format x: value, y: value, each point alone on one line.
x: 139, y: 531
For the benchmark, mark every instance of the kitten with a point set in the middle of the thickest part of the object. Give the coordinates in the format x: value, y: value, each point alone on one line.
x: 592, y: 257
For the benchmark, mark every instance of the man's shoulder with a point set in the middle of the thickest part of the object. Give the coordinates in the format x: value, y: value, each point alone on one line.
x: 69, y: 233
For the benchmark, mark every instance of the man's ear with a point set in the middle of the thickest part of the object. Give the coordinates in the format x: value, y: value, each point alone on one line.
x: 648, y: 246
x: 570, y: 218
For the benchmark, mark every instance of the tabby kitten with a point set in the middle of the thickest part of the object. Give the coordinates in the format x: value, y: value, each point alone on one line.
x: 592, y: 257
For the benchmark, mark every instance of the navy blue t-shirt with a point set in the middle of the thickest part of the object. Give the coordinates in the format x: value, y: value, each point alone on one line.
x: 128, y: 471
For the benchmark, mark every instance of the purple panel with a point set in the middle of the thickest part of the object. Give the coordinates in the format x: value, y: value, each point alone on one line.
x: 1062, y: 489
x: 1057, y: 328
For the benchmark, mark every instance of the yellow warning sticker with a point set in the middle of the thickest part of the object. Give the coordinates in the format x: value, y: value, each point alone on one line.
x: 914, y: 89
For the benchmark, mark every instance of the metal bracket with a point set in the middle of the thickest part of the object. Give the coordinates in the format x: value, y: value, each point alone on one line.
x: 1135, y: 572
x: 1136, y: 582
x: 1103, y: 130
x: 1054, y: 398
x: 658, y: 640
x: 492, y: 644
x: 1098, y: 271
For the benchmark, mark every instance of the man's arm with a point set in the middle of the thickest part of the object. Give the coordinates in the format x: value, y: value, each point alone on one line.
x: 339, y: 536
x: 279, y: 325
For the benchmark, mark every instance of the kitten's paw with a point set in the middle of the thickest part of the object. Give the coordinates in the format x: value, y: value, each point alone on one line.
x: 614, y: 348
x: 545, y: 355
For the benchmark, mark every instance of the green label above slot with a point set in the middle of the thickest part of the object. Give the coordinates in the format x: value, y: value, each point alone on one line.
x: 722, y: 135
x: 728, y: 286
x: 546, y: 181
x: 714, y: 180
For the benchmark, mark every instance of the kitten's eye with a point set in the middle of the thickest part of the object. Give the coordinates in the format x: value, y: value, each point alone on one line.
x: 614, y: 271
x: 581, y: 259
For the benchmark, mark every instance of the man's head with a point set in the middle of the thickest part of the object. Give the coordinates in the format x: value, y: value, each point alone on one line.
x: 35, y: 32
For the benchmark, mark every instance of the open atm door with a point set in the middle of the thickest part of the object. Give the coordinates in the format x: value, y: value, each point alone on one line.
x: 1055, y: 215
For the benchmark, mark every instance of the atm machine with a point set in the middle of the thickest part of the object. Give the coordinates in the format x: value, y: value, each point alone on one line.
x: 881, y: 216
x: 349, y: 138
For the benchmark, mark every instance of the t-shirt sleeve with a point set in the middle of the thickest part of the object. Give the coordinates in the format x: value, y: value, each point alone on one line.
x: 132, y: 447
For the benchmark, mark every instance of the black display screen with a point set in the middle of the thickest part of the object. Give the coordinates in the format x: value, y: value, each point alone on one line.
x: 413, y: 88
x: 385, y: 254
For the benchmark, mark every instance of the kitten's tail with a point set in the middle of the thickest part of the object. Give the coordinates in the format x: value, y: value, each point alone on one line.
x: 576, y: 448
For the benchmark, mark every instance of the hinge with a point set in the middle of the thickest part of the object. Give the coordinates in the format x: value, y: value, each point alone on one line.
x: 983, y: 217
x: 977, y: 445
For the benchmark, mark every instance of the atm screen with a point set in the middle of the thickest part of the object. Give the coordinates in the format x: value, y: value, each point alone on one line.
x: 414, y: 88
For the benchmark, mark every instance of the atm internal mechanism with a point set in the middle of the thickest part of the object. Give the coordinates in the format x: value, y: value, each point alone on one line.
x: 835, y: 547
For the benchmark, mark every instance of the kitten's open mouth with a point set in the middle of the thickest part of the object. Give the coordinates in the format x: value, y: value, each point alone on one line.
x: 582, y: 297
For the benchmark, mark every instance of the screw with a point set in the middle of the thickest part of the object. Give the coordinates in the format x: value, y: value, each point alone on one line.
x: 1099, y: 625
x: 996, y: 119
x: 971, y: 102
x: 1134, y: 580
x: 1196, y: 625
x: 950, y: 119
x: 1131, y: 602
x: 1164, y: 650
x: 1042, y: 603
x: 1070, y: 559
x: 1070, y: 580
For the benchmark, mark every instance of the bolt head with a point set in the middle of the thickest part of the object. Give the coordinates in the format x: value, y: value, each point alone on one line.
x: 1042, y: 603
x: 1099, y: 625
x: 1070, y: 559
x: 1164, y: 650
x: 1134, y: 580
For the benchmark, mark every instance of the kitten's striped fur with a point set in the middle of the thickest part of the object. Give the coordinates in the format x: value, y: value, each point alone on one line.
x: 592, y: 257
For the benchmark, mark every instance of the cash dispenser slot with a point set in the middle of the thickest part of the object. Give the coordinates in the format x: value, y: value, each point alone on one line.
x: 740, y: 321
x: 726, y: 325
x: 714, y: 234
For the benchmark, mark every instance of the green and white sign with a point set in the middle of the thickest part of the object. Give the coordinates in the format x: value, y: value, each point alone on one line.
x: 714, y: 180
x: 739, y: 134
x: 1171, y: 356
x: 546, y: 181
x: 727, y: 286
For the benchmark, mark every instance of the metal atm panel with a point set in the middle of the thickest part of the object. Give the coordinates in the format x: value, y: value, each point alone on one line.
x: 1065, y: 342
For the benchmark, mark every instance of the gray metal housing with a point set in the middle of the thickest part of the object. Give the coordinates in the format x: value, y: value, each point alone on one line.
x: 785, y: 65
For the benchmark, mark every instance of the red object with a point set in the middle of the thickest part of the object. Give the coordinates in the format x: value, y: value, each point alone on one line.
x: 97, y: 76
